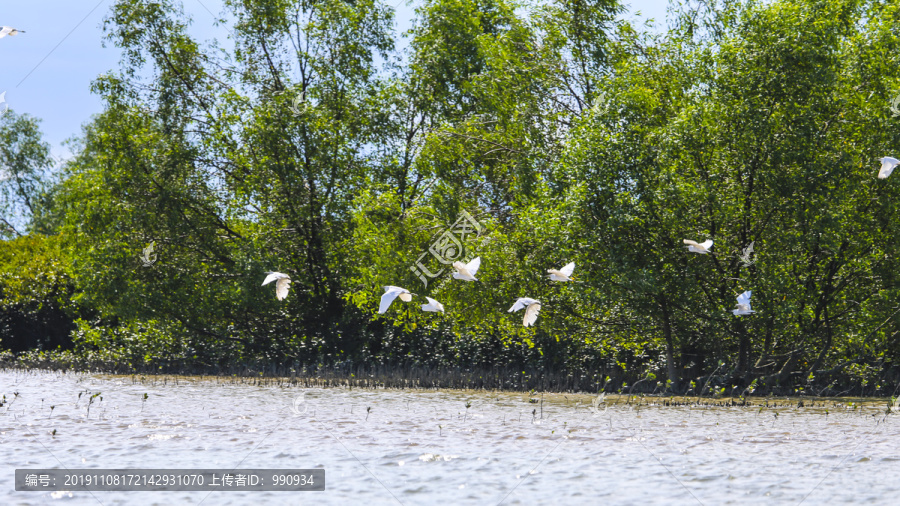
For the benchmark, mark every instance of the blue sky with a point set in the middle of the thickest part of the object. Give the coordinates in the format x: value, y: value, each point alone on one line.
x: 47, y: 71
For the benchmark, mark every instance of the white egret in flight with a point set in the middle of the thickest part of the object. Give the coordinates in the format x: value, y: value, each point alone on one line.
x: 532, y: 306
x: 695, y: 247
x: 391, y: 293
x: 743, y: 304
x: 281, y: 286
x: 466, y: 272
x: 887, y: 166
x: 8, y: 30
x: 562, y: 274
x: 433, y: 305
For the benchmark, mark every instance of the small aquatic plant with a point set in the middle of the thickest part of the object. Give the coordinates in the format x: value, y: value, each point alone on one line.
x: 91, y: 401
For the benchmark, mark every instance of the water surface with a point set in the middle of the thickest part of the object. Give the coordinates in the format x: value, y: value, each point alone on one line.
x: 425, y: 447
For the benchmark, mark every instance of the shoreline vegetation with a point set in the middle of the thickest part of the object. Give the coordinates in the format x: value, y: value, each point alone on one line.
x: 528, y: 136
x: 715, y: 388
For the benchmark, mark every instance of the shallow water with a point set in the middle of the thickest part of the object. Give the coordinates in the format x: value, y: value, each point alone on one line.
x: 425, y: 447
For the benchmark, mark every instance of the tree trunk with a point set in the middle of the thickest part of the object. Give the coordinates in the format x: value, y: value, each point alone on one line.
x: 670, y: 345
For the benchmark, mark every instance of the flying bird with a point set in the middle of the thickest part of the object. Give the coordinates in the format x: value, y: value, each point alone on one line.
x: 391, y: 293
x: 466, y: 272
x: 433, y: 305
x: 532, y: 306
x: 562, y: 274
x: 743, y: 304
x: 282, y: 284
x: 695, y: 247
x: 887, y: 166
x: 8, y: 30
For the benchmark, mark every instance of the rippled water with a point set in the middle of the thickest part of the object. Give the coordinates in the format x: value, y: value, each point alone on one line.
x: 425, y: 447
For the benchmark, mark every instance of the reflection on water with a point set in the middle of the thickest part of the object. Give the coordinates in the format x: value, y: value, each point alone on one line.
x: 425, y: 447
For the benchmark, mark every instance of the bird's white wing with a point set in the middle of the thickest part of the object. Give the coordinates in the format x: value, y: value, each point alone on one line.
x: 690, y: 242
x: 272, y: 276
x: 567, y: 270
x: 390, y: 293
x: 531, y: 314
x: 744, y: 298
x: 281, y: 288
x: 463, y: 272
x: 432, y: 305
x: 887, y: 167
x: 706, y: 244
x: 520, y: 303
x: 474, y: 265
x: 405, y: 296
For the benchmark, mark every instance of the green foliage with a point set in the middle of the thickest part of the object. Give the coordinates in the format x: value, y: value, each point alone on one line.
x: 24, y: 178
x: 36, y: 308
x: 312, y: 148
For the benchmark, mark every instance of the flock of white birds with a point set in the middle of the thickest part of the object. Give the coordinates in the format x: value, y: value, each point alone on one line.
x: 466, y: 272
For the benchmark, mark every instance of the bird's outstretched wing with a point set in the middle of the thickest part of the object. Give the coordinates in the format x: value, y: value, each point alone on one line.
x: 744, y: 299
x: 887, y: 167
x: 531, y: 314
x: 390, y: 293
x: 282, y: 287
x: 473, y: 266
x: 432, y: 305
x: 272, y: 276
x: 520, y: 303
x: 690, y: 242
x: 568, y: 269
x: 706, y: 244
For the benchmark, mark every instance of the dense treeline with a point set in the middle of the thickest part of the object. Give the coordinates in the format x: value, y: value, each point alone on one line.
x: 529, y: 134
